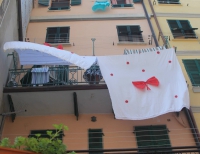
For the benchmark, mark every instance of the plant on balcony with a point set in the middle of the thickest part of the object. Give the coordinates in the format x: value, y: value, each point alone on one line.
x: 22, y: 145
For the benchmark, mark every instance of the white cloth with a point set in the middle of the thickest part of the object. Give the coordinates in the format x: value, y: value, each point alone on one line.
x: 37, y: 54
x: 132, y: 103
x: 40, y: 75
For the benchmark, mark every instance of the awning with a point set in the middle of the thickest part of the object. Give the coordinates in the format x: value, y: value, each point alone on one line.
x: 37, y: 54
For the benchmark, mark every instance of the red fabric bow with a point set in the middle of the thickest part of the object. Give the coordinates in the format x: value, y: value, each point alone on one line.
x: 141, y: 84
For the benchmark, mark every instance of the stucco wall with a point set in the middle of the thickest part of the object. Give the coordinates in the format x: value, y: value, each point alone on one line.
x: 117, y: 133
x: 81, y: 33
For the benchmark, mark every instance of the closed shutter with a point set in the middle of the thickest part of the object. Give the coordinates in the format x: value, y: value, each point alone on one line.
x: 152, y: 136
x: 75, y: 2
x: 43, y: 2
x: 193, y: 69
x: 95, y: 140
x: 43, y: 133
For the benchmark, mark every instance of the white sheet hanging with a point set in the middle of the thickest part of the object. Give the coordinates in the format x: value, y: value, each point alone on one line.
x: 40, y: 75
x: 37, y: 54
x: 132, y: 103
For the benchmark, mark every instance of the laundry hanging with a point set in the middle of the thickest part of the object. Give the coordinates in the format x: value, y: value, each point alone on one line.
x: 145, y: 85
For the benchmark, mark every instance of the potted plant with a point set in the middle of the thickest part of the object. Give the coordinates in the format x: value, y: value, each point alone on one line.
x: 33, y: 145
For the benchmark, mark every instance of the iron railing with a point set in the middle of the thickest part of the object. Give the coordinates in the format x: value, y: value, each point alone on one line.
x: 3, y: 7
x: 55, y: 76
x: 153, y: 150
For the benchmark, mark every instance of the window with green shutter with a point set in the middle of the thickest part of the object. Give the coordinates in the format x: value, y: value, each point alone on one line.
x: 136, y: 1
x: 43, y: 2
x: 60, y: 5
x: 181, y: 29
x: 57, y: 35
x: 43, y: 133
x: 152, y: 136
x: 75, y: 2
x: 129, y: 34
x: 169, y: 1
x: 95, y: 140
x: 192, y: 67
x: 122, y: 3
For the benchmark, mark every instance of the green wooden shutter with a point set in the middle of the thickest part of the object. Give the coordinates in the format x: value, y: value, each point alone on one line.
x: 152, y: 136
x: 169, y: 1
x: 187, y: 29
x: 192, y: 67
x: 75, y: 2
x: 95, y: 140
x: 175, y: 28
x: 43, y: 2
x: 43, y: 133
x: 136, y: 1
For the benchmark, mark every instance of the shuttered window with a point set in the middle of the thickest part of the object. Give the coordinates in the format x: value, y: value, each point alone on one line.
x: 43, y: 2
x: 57, y: 35
x: 60, y: 5
x: 181, y: 29
x: 192, y: 67
x: 75, y: 2
x: 43, y: 133
x: 121, y: 3
x: 169, y: 1
x: 152, y: 136
x: 95, y: 140
x: 129, y: 34
x: 136, y: 1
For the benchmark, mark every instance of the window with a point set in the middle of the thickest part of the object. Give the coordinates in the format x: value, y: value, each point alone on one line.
x: 169, y: 1
x: 129, y: 34
x: 121, y: 3
x: 43, y: 2
x: 75, y: 2
x: 60, y: 5
x: 152, y: 136
x: 95, y: 140
x: 192, y: 67
x: 181, y: 29
x: 43, y: 133
x: 57, y: 35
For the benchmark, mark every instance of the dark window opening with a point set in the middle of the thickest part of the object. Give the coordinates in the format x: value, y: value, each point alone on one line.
x: 60, y: 5
x: 121, y: 3
x: 169, y: 1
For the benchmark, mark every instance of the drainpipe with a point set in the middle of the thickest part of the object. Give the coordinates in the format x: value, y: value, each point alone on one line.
x: 20, y: 31
x: 157, y: 23
x: 149, y: 22
x: 192, y: 126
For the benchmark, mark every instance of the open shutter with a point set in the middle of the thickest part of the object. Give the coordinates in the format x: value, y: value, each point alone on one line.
x: 136, y: 1
x: 43, y: 2
x: 95, y: 140
x: 188, y: 30
x: 175, y: 28
x: 75, y: 2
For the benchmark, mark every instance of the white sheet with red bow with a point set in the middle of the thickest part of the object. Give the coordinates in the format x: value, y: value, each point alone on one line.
x: 145, y: 85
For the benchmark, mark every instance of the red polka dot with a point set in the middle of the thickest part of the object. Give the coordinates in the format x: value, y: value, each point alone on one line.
x: 126, y: 101
x: 158, y: 52
x: 143, y: 70
x: 176, y: 96
x: 111, y: 74
x: 170, y: 61
x: 127, y: 62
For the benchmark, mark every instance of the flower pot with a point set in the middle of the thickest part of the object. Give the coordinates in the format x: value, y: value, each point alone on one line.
x: 4, y: 150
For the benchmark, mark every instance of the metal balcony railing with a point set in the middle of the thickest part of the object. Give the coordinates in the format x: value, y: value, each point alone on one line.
x: 54, y: 76
x: 3, y: 7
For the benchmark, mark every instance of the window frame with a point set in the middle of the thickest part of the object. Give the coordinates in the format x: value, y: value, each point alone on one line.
x: 100, y: 146
x: 57, y: 35
x: 192, y: 73
x: 122, y: 5
x: 60, y: 7
x: 180, y: 26
x: 129, y: 32
x: 168, y: 2
x: 151, y: 131
x: 43, y: 2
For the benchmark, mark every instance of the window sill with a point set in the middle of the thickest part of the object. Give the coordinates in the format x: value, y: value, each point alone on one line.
x: 169, y: 4
x: 195, y: 40
x: 58, y: 10
x: 55, y: 44
x: 131, y: 43
x: 196, y: 89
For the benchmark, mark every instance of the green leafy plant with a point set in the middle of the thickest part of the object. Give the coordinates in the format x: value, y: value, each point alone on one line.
x: 37, y: 144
